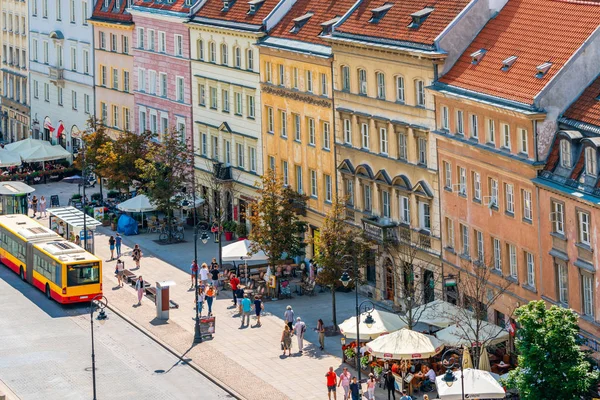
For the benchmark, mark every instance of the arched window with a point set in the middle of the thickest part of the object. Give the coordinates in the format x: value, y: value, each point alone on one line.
x: 212, y: 49
x: 238, y: 57
x: 250, y: 60
x: 224, y: 54
x: 362, y: 81
x: 590, y: 161
x: 200, y: 49
x: 400, y: 89
x: 380, y: 85
x: 420, y: 93
x: 565, y: 153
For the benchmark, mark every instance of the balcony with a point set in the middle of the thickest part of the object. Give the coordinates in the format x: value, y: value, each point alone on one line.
x: 222, y: 172
x: 424, y: 240
x: 56, y: 76
x: 350, y: 214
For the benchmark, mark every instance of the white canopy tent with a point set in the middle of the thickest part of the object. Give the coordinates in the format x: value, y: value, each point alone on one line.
x: 478, y: 385
x: 438, y: 313
x: 9, y: 158
x: 385, y: 322
x: 139, y: 203
x: 405, y: 344
x: 454, y: 335
x: 44, y: 153
x: 26, y: 144
x: 240, y: 251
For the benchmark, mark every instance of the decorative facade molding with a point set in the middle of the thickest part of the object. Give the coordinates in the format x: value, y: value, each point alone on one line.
x: 306, y: 98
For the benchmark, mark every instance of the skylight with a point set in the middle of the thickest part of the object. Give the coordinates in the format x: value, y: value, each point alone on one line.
x: 478, y: 55
x: 300, y: 21
x: 380, y: 12
x: 542, y: 69
x: 507, y: 63
x: 419, y: 17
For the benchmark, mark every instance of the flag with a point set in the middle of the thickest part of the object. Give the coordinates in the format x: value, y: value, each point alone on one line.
x: 61, y: 129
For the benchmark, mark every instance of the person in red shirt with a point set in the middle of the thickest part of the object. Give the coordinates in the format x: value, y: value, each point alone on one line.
x: 194, y: 268
x: 234, y: 282
x: 331, y: 383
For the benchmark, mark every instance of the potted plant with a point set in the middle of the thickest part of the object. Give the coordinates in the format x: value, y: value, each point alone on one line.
x: 76, y: 196
x: 241, y: 231
x: 112, y: 194
x: 349, y: 353
x: 229, y: 227
x: 105, y: 220
x: 113, y: 224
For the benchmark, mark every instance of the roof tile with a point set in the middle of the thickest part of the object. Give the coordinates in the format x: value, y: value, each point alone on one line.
x: 587, y: 107
x: 110, y: 13
x: 179, y: 6
x: 238, y: 11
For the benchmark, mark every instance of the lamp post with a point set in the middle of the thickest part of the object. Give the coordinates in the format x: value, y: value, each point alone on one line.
x: 98, y: 303
x: 449, y: 377
x: 366, y: 305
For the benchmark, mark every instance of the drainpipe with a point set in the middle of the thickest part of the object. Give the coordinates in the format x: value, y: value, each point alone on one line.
x: 437, y: 154
x: 541, y: 258
x: 333, y: 124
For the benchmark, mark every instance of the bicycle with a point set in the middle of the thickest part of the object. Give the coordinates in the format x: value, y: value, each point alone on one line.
x: 173, y: 235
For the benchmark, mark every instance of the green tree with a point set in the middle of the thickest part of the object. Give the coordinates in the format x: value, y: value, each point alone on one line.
x: 276, y: 225
x: 551, y: 364
x: 93, y: 150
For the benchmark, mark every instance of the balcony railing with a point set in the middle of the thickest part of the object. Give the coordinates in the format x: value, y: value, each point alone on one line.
x: 55, y: 74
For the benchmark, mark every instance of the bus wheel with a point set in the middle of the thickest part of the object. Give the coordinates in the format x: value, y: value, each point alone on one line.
x: 48, y: 295
x: 22, y: 274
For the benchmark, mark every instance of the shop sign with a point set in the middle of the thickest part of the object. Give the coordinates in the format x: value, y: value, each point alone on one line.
x: 417, y: 355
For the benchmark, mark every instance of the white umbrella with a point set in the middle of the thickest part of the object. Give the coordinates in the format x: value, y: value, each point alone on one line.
x: 240, y: 251
x: 478, y: 385
x: 484, y: 360
x: 405, y: 344
x: 139, y: 203
x: 43, y: 153
x: 384, y: 322
x: 9, y: 158
x: 456, y: 336
x: 26, y: 144
x: 438, y: 313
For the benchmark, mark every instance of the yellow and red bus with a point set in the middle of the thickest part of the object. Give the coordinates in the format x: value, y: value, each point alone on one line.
x: 64, y: 271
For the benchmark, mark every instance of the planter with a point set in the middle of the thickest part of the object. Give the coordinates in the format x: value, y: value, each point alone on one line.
x: 113, y: 226
x: 106, y: 222
x: 228, y: 236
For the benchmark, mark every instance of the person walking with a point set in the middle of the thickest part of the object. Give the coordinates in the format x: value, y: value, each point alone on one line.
x: 61, y: 229
x: 258, y: 307
x: 204, y: 274
x: 246, y: 310
x: 331, y: 383
x: 34, y: 205
x: 354, y: 386
x: 321, y: 332
x: 234, y: 281
x: 194, y: 270
x: 120, y: 268
x: 201, y: 298
x: 111, y: 246
x: 286, y: 340
x: 118, y: 241
x: 214, y: 275
x: 371, y: 387
x: 345, y: 382
x: 136, y: 254
x: 288, y: 316
x: 140, y: 287
x: 390, y: 384
x: 29, y: 203
x: 299, y: 330
x: 210, y: 296
x: 405, y: 396
x: 43, y: 207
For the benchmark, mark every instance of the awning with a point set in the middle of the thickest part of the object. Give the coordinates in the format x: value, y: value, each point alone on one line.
x: 455, y: 335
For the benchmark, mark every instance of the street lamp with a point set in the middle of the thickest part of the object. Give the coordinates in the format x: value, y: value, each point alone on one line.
x: 98, y: 303
x: 366, y: 305
x: 449, y: 376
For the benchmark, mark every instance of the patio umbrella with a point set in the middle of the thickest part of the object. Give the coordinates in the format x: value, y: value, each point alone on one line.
x: 438, y: 313
x: 405, y: 344
x: 467, y: 362
x: 43, y: 153
x: 385, y: 322
x: 455, y: 335
x: 240, y: 251
x: 478, y: 385
x: 73, y: 179
x: 9, y: 158
x: 484, y: 360
x: 26, y: 144
x: 139, y: 203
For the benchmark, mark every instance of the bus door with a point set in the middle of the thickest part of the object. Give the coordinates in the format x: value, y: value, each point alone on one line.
x: 29, y: 262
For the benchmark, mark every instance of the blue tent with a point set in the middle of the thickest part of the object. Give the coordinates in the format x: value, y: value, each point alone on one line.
x: 127, y: 225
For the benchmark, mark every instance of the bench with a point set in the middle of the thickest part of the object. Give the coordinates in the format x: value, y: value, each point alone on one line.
x: 129, y: 277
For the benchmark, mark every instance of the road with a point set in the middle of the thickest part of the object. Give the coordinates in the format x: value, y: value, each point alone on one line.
x: 45, y: 353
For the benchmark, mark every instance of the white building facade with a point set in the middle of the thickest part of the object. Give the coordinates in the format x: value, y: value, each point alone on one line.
x: 61, y: 69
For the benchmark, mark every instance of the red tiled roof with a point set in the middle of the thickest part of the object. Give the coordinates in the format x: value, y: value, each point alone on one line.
x: 322, y: 10
x: 536, y: 31
x: 587, y: 108
x: 174, y: 6
x: 394, y: 25
x: 238, y: 12
x: 109, y: 14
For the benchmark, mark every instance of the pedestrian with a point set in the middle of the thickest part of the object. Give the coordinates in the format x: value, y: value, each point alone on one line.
x: 119, y: 269
x: 345, y: 382
x: 43, y: 207
x: 371, y: 387
x: 321, y: 332
x: 405, y: 396
x: 61, y: 229
x: 311, y: 271
x: 111, y: 246
x: 331, y: 383
x: 204, y: 274
x: 240, y: 297
x: 258, y: 307
x: 286, y: 340
x: 234, y: 281
x: 354, y: 386
x: 425, y: 397
x: 118, y: 241
x: 210, y: 296
x: 299, y: 330
x: 201, y: 298
x: 214, y: 275
x: 390, y: 384
x: 288, y: 316
x: 140, y: 287
x: 194, y: 271
x: 34, y: 205
x: 77, y: 240
x: 246, y: 309
x: 29, y: 203
x: 136, y: 254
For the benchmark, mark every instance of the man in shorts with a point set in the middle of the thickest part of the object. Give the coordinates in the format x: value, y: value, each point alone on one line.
x: 331, y: 383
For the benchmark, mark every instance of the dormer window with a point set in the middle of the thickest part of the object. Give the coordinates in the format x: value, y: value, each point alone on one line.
x: 591, y: 165
x: 328, y: 26
x: 542, y: 69
x: 565, y: 153
x: 419, y: 17
x: 477, y: 56
x: 106, y: 3
x: 226, y: 5
x: 507, y: 63
x: 380, y: 12
x: 255, y: 6
x: 300, y: 21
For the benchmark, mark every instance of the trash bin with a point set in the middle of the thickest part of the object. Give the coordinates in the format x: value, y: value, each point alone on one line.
x: 162, y: 299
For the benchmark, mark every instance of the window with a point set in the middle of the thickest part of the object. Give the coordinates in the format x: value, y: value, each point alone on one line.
x: 224, y: 54
x: 367, y: 205
x: 151, y: 40
x: 46, y: 91
x: 530, y: 269
x: 237, y: 62
x: 34, y: 49
x: 163, y: 84
x: 103, y: 113
x: 512, y: 260
x: 59, y: 56
x: 328, y: 188
x: 237, y: 103
x: 125, y: 44
x: 462, y: 181
x: 311, y: 131
x: 72, y: 11
x: 527, y: 210
x: 34, y: 9
x: 584, y: 227
x: 270, y: 122
x: 297, y: 131
x: 349, y: 191
x: 313, y: 183
x: 86, y: 62
x: 250, y: 101
x: 400, y: 89
x: 200, y: 49
x: 126, y: 119
x: 272, y: 163
x: 491, y: 131
x: 480, y: 249
x: 162, y: 42
x: 309, y: 81
x: 506, y: 136
x: 141, y: 79
x: 447, y: 175
x: 213, y: 97
x: 405, y: 210
x: 364, y: 132
x: 285, y: 173
x: 212, y: 52
x: 587, y: 285
x: 204, y: 145
x: 402, y: 146
x: 151, y: 82
x: 215, y: 148
x: 326, y: 136
x: 281, y: 75
x: 424, y: 216
x: 84, y: 12
x: 299, y: 185
x: 345, y: 78
x: 449, y: 233
x: 420, y: 92
x: 347, y: 131
x: 474, y: 127
x: 591, y: 166
x: 201, y: 95
x: 460, y: 129
x: 283, y: 123
x: 153, y: 122
x: 464, y: 237
x: 383, y: 141
x: 73, y: 59
x: 46, y: 52
x: 562, y: 282
x: 476, y: 186
x: 36, y: 89
x: 558, y: 217
x: 58, y: 11
x: 250, y: 60
x: 115, y: 79
x: 240, y: 155
x: 362, y: 81
x: 493, y: 186
x: 268, y: 72
x: 180, y: 92
x: 445, y: 118
x: 509, y: 196
x: 422, y: 151
x: 115, y: 116
x: 140, y: 38
x: 497, y: 254
x: 380, y: 85
x: 225, y: 100
x: 324, y: 85
x: 523, y: 145
x: 86, y: 103
x: 385, y: 204
x: 252, y: 159
x: 179, y: 45
x: 295, y: 78
x: 45, y: 8
x: 103, y: 77
x: 60, y: 95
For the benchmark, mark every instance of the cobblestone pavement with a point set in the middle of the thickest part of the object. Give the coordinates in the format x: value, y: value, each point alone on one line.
x: 45, y: 353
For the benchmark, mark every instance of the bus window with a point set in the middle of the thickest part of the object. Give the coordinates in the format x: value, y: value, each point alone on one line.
x: 83, y: 274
